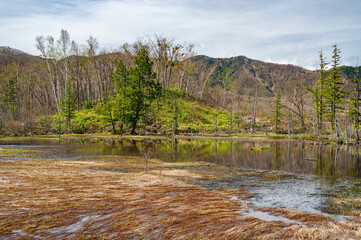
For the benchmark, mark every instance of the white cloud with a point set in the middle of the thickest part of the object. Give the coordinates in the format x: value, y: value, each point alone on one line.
x: 283, y: 31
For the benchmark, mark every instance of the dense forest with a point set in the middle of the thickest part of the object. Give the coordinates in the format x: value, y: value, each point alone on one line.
x: 159, y: 86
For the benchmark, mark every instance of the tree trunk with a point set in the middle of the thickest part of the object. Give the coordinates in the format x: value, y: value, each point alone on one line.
x: 253, y: 130
x: 357, y: 113
x: 339, y: 141
x: 346, y: 128
x: 134, y: 123
x: 134, y: 126
x: 112, y: 122
x: 121, y: 129
x: 289, y: 125
x: 59, y: 125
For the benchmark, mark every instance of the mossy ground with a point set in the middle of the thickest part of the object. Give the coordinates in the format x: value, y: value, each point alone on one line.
x: 117, y: 197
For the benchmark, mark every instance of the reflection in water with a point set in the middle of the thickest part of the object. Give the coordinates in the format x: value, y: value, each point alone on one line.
x: 296, y: 157
x: 304, y: 192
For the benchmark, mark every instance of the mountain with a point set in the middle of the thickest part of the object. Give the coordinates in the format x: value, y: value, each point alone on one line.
x: 247, y: 74
x: 9, y: 55
x: 268, y: 78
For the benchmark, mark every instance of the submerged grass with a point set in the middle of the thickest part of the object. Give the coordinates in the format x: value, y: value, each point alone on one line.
x: 346, y: 200
x: 8, y: 151
x: 112, y: 197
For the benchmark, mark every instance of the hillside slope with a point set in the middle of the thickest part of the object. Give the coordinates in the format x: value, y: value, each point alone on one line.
x: 247, y: 74
x: 269, y: 78
x: 9, y: 55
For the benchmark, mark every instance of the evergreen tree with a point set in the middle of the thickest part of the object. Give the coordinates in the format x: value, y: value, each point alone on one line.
x: 9, y: 89
x: 136, y: 88
x: 225, y: 74
x: 319, y: 92
x: 355, y: 101
x: 120, y: 78
x: 333, y: 92
x: 276, y: 116
x: 68, y: 105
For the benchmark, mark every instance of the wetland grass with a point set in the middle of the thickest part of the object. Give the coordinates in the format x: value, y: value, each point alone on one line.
x: 100, y: 198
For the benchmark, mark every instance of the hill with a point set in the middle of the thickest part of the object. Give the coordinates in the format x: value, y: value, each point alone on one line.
x: 247, y: 74
x: 269, y: 78
x: 9, y: 55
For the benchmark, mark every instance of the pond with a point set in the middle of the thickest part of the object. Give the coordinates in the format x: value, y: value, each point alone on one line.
x: 310, y: 170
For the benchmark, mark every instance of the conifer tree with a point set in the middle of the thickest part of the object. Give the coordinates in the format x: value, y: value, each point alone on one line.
x: 136, y: 88
x: 333, y: 88
x: 276, y: 116
x: 355, y: 101
x: 10, y: 89
x: 68, y: 105
x: 319, y: 92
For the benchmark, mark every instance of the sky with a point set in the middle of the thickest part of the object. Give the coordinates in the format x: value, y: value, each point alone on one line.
x: 280, y: 31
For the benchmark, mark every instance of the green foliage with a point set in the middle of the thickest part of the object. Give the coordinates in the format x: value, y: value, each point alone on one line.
x: 355, y: 97
x: 224, y: 74
x: 319, y: 93
x: 333, y: 92
x: 88, y: 104
x: 106, y: 110
x: 276, y: 113
x: 192, y: 118
x: 350, y: 72
x: 9, y: 89
x: 136, y: 88
x: 68, y: 104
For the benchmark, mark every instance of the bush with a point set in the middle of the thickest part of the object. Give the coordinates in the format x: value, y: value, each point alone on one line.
x: 88, y: 104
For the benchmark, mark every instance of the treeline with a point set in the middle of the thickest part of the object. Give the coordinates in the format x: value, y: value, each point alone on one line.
x: 40, y: 86
x: 141, y: 84
x: 336, y: 98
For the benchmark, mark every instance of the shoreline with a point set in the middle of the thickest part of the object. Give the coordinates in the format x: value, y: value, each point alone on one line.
x: 265, y: 138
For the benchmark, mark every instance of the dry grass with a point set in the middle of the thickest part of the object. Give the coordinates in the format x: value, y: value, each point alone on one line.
x: 98, y: 199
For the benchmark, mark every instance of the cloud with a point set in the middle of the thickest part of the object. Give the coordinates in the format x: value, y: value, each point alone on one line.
x: 281, y: 31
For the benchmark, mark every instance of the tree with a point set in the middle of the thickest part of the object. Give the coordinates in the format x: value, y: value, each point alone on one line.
x: 333, y: 91
x: 355, y: 101
x: 105, y: 108
x: 120, y: 78
x: 9, y: 89
x: 68, y: 105
x: 319, y: 92
x: 253, y: 128
x: 298, y: 105
x: 225, y: 77
x: 136, y: 88
x: 276, y: 116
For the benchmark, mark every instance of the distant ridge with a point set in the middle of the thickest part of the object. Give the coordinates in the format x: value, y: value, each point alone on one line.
x: 268, y: 78
x: 9, y: 55
x: 247, y: 74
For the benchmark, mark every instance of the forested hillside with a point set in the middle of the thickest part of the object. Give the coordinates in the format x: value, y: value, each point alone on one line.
x: 268, y: 78
x: 68, y: 77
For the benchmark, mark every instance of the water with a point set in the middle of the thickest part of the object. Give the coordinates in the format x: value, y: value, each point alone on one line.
x: 293, y: 157
x: 313, y: 168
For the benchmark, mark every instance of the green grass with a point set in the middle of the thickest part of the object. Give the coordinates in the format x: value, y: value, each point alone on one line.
x: 194, y: 117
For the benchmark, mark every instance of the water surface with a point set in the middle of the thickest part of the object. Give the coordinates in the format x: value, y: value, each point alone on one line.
x: 315, y: 168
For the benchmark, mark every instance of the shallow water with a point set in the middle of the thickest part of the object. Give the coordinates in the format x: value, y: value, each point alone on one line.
x: 315, y: 168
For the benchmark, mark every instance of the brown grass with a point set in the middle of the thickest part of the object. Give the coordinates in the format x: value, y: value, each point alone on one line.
x: 94, y: 199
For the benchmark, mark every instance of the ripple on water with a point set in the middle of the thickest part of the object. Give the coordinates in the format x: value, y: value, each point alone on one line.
x: 304, y: 194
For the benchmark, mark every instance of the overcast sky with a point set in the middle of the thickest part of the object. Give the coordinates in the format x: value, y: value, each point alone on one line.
x: 281, y: 31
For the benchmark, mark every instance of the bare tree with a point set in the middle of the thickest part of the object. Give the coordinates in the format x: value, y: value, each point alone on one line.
x: 253, y: 130
x: 297, y: 101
